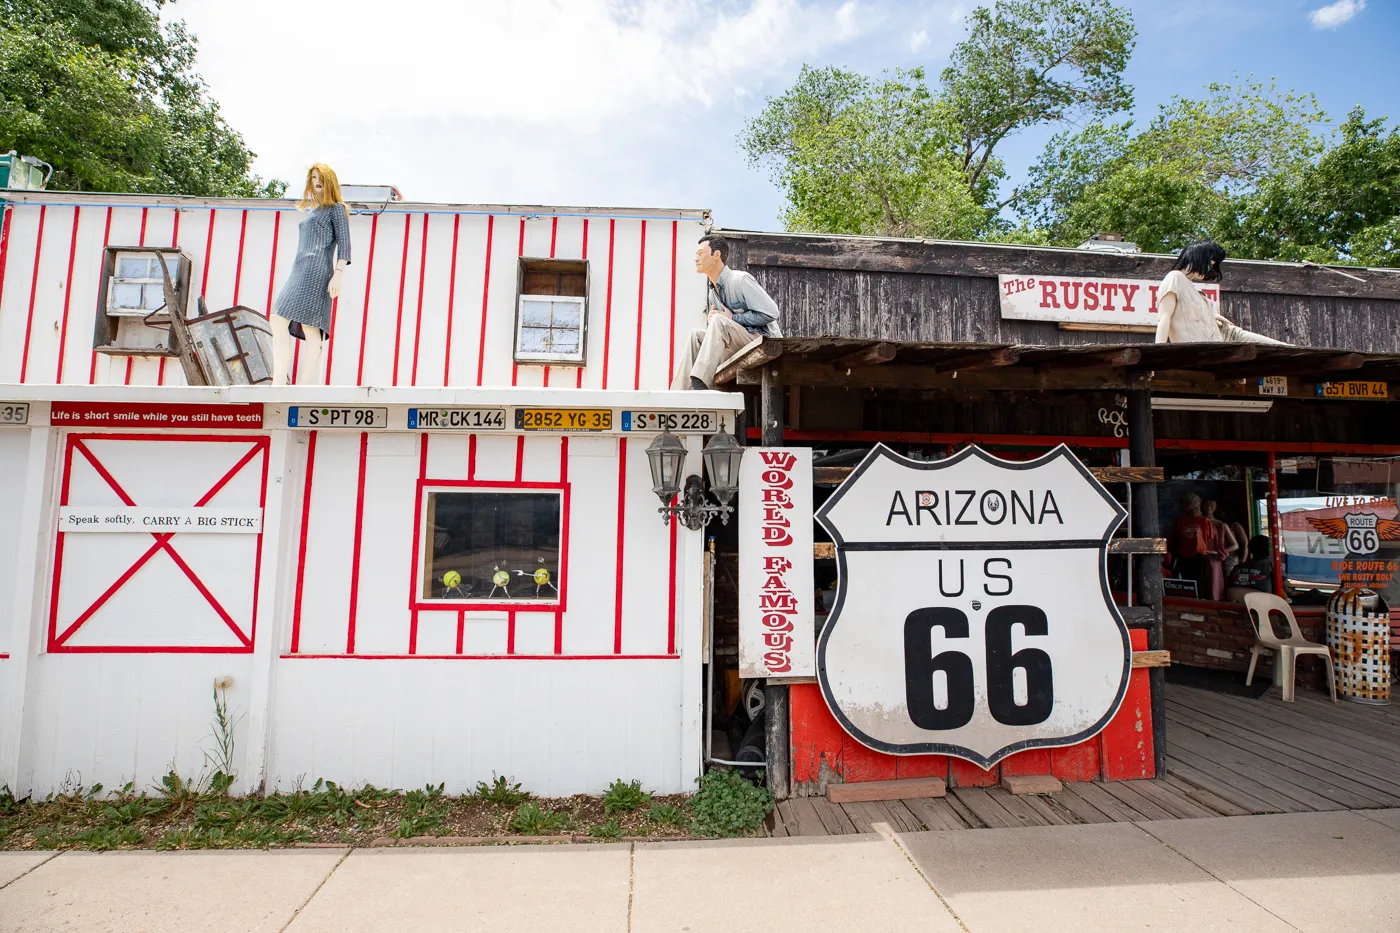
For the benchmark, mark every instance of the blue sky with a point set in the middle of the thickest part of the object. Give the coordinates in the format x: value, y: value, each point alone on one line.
x: 639, y: 102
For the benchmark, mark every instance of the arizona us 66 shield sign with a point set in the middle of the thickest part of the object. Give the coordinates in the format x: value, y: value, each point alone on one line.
x: 973, y: 615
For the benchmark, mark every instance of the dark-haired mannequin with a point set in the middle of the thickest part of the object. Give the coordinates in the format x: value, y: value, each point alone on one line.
x: 737, y: 309
x: 1184, y: 315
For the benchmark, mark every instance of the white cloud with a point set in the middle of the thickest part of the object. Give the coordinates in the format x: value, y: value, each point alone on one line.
x: 1336, y: 14
x: 612, y: 102
x: 918, y: 40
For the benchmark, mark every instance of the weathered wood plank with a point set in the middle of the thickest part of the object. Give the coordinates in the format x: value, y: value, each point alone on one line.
x: 1171, y: 799
x: 887, y: 790
x: 936, y: 814
x: 1129, y: 474
x: 1152, y: 659
x: 1137, y: 546
x: 1083, y: 810
x: 1234, y: 795
x: 765, y: 352
x: 864, y: 815
x: 1126, y: 793
x: 901, y: 818
x: 981, y: 359
x: 1094, y: 792
x: 873, y: 355
x: 1110, y: 358
x: 988, y: 811
x: 1020, y: 811
x: 833, y: 818
x: 802, y: 815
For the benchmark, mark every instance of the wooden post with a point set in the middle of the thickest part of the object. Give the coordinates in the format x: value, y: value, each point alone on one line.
x: 775, y: 696
x: 1142, y: 450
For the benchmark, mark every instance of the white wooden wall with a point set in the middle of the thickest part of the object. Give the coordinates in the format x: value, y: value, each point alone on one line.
x: 425, y: 302
x: 610, y: 688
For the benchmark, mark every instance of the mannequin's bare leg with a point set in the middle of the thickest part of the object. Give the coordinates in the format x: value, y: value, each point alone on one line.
x: 281, y: 349
x: 309, y: 367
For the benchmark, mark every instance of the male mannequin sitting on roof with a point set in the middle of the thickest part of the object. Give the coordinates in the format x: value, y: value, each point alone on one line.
x: 737, y: 309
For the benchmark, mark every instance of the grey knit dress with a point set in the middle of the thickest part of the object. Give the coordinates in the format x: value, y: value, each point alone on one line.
x: 322, y: 237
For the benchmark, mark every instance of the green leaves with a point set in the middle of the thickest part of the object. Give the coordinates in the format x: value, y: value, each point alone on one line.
x: 97, y: 89
x: 728, y: 805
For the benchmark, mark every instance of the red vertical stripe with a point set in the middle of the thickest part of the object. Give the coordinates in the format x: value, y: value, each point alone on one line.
x: 272, y: 261
x: 301, y: 545
x: 238, y: 266
x: 451, y: 300
x: 671, y: 342
x: 485, y: 297
x: 519, y: 251
x: 355, y: 553
x: 519, y: 457
x: 578, y: 372
x: 126, y: 380
x: 418, y: 320
x: 471, y: 457
x: 330, y: 344
x: 461, y: 627
x: 106, y: 238
x: 417, y: 531
x: 364, y: 318
x: 607, y: 306
x: 141, y: 237
x: 564, y: 542
x: 621, y: 527
x: 403, y: 280
x: 641, y: 294
x: 510, y: 632
x: 5, y: 243
x: 68, y: 292
x: 33, y: 290
x: 208, y: 253
x: 671, y: 598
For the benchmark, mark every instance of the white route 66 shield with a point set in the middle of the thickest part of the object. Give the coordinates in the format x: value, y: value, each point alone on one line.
x: 973, y: 616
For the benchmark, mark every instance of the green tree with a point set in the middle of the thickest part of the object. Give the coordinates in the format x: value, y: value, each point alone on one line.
x: 99, y: 90
x: 892, y: 156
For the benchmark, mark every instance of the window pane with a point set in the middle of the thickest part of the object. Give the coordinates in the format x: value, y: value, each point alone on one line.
x: 493, y: 546
x: 535, y: 313
x: 155, y: 297
x: 136, y: 267
x: 534, y: 340
x: 126, y: 296
x: 566, y: 314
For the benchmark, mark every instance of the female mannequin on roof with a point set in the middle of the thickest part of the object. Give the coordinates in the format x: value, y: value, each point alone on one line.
x: 1184, y: 315
x: 323, y: 252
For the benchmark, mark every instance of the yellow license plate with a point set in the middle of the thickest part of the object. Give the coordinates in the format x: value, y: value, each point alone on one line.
x: 1353, y: 389
x: 563, y: 419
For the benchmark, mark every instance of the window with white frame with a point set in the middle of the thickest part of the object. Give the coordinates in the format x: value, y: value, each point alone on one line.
x: 137, y: 286
x: 491, y: 545
x: 551, y: 321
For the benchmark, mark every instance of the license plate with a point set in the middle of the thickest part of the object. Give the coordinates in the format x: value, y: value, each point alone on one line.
x: 1353, y: 389
x: 699, y: 422
x: 457, y: 419
x: 1273, y: 385
x: 14, y: 412
x: 304, y: 416
x: 563, y: 419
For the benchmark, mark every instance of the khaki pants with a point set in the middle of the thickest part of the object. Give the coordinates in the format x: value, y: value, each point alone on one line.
x: 708, y: 348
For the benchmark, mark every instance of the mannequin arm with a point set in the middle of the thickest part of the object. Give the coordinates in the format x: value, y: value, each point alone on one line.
x: 1166, y: 307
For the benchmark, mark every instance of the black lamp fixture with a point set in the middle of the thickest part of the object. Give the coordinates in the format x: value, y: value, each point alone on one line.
x: 721, y: 454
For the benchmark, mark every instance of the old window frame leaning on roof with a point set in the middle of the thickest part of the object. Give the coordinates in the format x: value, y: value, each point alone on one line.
x: 425, y: 580
x: 566, y: 283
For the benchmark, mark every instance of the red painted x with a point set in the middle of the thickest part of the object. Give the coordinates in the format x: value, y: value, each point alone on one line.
x: 162, y: 543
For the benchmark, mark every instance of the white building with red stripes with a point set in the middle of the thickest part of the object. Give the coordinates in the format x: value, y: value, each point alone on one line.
x: 445, y: 564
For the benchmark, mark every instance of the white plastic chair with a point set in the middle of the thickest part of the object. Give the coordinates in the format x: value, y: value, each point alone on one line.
x: 1260, y: 607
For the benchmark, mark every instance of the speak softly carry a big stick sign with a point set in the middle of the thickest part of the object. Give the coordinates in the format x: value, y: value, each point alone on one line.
x: 973, y: 616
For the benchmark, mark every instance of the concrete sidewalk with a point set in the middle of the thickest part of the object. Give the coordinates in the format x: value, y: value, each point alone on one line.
x: 1309, y: 871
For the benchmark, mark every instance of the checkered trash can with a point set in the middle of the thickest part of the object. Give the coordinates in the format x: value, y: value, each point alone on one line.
x: 1359, y: 639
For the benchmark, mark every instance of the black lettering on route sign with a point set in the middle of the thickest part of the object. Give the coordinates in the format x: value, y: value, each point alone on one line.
x: 973, y: 616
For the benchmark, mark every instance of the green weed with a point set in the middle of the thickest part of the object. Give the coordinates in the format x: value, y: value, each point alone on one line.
x: 667, y: 815
x: 530, y: 820
x: 728, y: 805
x: 624, y: 797
x: 501, y: 791
x: 607, y: 830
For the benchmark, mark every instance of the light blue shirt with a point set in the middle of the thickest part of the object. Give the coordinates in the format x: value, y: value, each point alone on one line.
x: 753, y: 308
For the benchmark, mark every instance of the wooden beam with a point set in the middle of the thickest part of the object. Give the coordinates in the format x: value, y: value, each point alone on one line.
x: 1340, y: 362
x: 1152, y: 659
x: 1074, y: 360
x: 1110, y: 328
x: 765, y: 352
x: 918, y: 377
x: 835, y: 475
x: 1137, y: 546
x: 982, y: 359
x: 1176, y: 356
x: 901, y: 789
x: 873, y: 355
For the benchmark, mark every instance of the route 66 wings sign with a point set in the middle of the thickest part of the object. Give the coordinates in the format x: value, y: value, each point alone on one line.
x: 973, y: 615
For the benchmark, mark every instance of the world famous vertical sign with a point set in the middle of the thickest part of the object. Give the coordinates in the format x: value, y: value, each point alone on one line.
x: 776, y: 592
x: 973, y: 616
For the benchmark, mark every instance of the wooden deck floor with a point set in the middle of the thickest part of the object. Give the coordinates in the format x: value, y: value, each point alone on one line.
x: 1226, y: 756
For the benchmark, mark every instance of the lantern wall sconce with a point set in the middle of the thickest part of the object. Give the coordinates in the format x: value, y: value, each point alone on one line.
x: 666, y: 456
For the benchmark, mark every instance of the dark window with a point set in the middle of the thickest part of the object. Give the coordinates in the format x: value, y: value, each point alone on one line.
x: 492, y: 546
